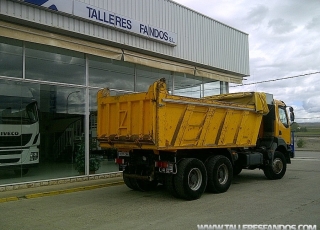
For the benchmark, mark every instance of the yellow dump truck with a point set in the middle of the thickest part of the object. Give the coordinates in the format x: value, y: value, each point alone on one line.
x: 189, y: 144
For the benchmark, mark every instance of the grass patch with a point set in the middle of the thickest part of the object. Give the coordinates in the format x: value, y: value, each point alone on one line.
x: 301, y: 143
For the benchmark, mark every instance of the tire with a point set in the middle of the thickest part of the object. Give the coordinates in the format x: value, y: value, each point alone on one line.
x: 145, y: 185
x: 127, y: 181
x: 191, y: 179
x: 220, y: 174
x: 278, y: 168
x: 21, y: 172
x: 236, y: 170
x: 140, y: 185
x: 135, y: 184
x: 169, y: 183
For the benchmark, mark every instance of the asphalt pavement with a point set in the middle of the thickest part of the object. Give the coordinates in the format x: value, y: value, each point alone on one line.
x: 93, y: 182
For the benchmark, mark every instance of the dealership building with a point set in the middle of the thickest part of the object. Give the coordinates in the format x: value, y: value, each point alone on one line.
x: 56, y: 54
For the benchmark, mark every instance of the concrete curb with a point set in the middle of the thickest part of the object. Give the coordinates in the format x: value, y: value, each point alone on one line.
x: 52, y: 187
x: 59, y: 192
x: 71, y: 190
x: 58, y: 181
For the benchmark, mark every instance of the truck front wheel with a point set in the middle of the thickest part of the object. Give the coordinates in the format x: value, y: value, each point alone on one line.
x: 278, y: 168
x: 220, y: 174
x: 191, y: 179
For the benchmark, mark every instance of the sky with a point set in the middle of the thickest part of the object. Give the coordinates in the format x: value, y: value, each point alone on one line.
x: 284, y: 42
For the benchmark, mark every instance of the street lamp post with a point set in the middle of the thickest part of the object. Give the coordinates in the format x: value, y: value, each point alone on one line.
x: 68, y: 98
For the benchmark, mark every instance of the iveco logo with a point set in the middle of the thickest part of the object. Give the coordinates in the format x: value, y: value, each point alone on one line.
x: 9, y: 133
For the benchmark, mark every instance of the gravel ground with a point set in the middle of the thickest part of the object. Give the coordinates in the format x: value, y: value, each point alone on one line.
x: 312, y: 143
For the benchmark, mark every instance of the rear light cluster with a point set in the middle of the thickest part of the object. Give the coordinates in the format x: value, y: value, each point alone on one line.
x: 161, y: 164
x: 119, y: 161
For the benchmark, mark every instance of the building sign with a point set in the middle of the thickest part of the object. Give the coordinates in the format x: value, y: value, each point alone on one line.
x: 108, y: 18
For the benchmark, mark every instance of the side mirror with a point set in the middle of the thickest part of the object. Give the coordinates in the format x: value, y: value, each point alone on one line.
x: 291, y: 114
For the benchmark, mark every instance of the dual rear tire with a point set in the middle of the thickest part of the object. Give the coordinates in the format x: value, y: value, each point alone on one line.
x: 194, y: 177
x: 140, y: 185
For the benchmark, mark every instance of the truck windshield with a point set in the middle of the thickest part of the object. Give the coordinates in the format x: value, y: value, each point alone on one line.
x: 18, y: 110
x: 283, y: 116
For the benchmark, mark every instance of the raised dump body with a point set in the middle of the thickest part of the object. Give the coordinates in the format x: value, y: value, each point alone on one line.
x: 159, y: 121
x: 191, y: 145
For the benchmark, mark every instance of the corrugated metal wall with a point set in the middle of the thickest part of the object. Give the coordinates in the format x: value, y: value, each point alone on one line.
x: 200, y: 39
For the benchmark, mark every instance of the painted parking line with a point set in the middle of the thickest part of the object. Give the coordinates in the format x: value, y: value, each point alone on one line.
x: 58, y: 192
x: 7, y: 199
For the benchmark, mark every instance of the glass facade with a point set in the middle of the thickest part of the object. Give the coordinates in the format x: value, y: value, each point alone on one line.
x: 48, y: 97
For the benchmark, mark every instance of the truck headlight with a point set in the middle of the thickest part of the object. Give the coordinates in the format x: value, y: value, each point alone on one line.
x: 34, y: 156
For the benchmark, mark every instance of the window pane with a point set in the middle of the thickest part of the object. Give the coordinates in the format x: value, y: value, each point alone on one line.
x: 10, y: 57
x: 187, y: 85
x: 19, y: 126
x: 107, y: 156
x: 147, y: 76
x: 104, y: 72
x: 55, y: 65
x: 283, y: 116
x: 46, y: 124
x: 212, y: 88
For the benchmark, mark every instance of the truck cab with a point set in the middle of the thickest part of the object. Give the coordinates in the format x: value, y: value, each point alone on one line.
x: 19, y: 129
x: 275, y: 132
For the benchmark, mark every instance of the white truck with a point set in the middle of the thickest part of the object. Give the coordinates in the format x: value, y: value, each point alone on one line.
x: 19, y: 129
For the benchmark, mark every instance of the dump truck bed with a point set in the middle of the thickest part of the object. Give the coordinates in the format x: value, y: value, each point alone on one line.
x: 159, y: 121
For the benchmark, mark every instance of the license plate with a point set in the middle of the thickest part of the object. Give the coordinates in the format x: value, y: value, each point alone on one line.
x: 123, y: 154
x: 170, y: 168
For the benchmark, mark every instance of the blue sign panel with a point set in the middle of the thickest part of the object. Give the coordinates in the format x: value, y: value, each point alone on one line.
x: 58, y: 5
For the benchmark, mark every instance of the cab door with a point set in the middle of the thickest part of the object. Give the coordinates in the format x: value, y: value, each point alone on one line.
x: 283, y: 124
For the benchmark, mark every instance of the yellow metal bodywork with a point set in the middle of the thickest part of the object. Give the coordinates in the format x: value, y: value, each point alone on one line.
x: 282, y: 130
x: 159, y: 121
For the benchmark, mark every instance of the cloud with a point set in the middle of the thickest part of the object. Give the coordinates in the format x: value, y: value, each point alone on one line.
x: 283, y: 42
x: 314, y: 24
x: 311, y: 105
x: 280, y: 26
x: 257, y: 14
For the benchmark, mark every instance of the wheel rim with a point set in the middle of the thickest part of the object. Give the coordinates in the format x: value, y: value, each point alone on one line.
x: 223, y: 174
x: 194, y: 179
x: 277, y: 165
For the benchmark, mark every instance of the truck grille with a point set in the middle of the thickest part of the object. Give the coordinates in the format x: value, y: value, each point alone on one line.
x: 15, y: 140
x: 14, y: 152
x: 6, y: 161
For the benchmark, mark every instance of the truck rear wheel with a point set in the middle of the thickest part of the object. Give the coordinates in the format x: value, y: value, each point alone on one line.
x: 128, y: 182
x: 220, y: 174
x: 191, y: 179
x: 145, y: 185
x: 169, y: 183
x: 278, y: 168
x: 141, y: 185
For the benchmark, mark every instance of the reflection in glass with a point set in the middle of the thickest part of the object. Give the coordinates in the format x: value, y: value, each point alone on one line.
x: 147, y: 76
x: 211, y: 88
x: 104, y: 72
x: 187, y: 85
x: 54, y: 64
x: 28, y: 111
x: 10, y: 57
x: 19, y: 129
